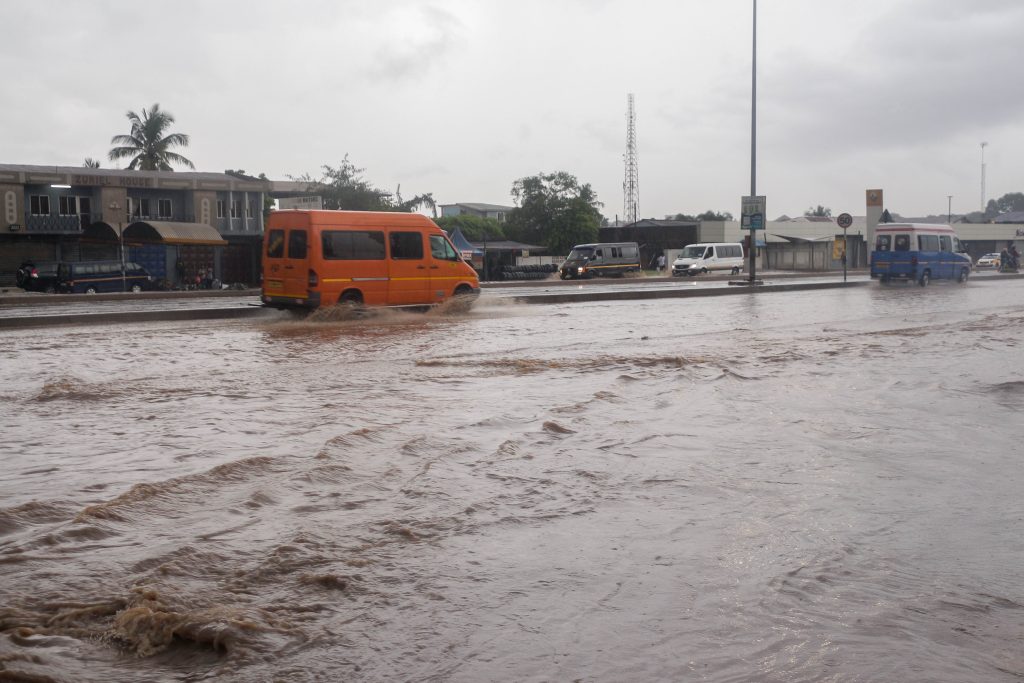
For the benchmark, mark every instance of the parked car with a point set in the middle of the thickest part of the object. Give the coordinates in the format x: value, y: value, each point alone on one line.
x: 988, y: 261
x: 39, y: 276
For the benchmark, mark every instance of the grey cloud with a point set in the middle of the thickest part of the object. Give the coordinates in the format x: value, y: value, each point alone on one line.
x: 401, y: 61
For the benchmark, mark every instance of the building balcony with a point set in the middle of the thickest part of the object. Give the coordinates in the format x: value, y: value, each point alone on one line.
x: 58, y: 225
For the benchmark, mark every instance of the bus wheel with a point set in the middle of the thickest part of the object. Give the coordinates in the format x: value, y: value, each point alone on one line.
x: 926, y: 277
x: 90, y: 290
x: 136, y: 289
x: 963, y: 276
x: 352, y: 299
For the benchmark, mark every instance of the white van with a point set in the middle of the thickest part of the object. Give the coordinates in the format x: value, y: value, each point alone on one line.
x: 705, y: 257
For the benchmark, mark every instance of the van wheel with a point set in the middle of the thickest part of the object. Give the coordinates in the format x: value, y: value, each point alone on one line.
x: 964, y: 273
x: 90, y: 290
x: 352, y: 299
x: 735, y: 271
x: 50, y: 289
x: 926, y: 277
x: 136, y: 289
x: 703, y: 271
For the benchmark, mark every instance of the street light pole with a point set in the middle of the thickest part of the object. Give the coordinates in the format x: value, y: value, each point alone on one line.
x: 753, y: 145
x: 115, y: 207
x: 949, y: 209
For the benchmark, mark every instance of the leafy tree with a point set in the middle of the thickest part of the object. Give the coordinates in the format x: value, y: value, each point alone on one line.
x: 819, y: 210
x: 91, y: 163
x: 475, y: 228
x: 1011, y: 201
x: 343, y: 187
x: 714, y: 216
x: 149, y: 145
x: 554, y: 210
x: 680, y: 217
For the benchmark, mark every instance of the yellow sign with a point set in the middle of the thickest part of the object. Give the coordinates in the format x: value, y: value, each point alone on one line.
x: 874, y: 198
x: 838, y: 248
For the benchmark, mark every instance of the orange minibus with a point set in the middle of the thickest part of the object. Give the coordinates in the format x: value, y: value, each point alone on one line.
x: 321, y: 258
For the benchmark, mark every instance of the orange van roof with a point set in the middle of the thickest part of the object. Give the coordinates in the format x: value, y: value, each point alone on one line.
x: 360, y: 218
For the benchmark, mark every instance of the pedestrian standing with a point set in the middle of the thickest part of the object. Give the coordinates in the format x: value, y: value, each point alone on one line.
x: 661, y: 262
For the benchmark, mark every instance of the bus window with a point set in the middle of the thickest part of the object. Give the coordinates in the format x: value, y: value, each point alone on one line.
x: 928, y: 242
x: 442, y: 250
x: 945, y: 243
x: 883, y: 242
x: 902, y: 243
x: 352, y: 245
x: 275, y: 244
x: 297, y: 244
x: 406, y: 245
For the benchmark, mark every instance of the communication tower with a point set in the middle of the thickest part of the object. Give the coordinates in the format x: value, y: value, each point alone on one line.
x: 631, y: 185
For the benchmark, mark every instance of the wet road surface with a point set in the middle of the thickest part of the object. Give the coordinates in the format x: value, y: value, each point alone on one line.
x: 802, y: 486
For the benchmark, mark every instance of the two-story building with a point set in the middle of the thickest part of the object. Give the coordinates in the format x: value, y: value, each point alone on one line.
x: 176, y: 224
x: 495, y: 211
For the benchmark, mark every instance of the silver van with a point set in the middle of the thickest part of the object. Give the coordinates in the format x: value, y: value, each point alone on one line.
x: 604, y: 258
x: 709, y: 256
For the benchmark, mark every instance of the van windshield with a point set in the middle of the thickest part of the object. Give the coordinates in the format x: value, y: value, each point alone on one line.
x: 579, y: 254
x: 693, y: 252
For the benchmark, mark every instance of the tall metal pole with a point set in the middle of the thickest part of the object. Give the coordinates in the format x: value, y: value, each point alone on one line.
x: 949, y: 209
x: 753, y: 145
x: 983, y: 146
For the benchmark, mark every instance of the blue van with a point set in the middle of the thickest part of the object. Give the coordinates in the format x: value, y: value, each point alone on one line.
x: 93, y: 277
x: 918, y: 252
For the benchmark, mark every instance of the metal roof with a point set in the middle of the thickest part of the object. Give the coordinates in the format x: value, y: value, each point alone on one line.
x: 170, y: 232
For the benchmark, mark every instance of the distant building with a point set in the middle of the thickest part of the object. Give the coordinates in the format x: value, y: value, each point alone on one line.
x: 654, y: 236
x: 174, y: 223
x: 495, y: 211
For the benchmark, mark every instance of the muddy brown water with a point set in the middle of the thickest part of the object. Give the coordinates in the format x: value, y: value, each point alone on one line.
x: 819, y: 486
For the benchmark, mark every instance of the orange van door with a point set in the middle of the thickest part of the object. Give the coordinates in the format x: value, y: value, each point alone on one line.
x: 446, y: 268
x: 295, y: 264
x: 409, y: 279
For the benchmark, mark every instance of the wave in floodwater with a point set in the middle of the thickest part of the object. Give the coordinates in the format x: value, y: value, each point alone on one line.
x: 518, y: 493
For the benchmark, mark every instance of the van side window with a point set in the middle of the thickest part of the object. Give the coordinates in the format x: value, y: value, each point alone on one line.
x: 883, y: 242
x: 275, y: 244
x: 902, y: 243
x: 928, y: 242
x: 352, y: 245
x: 629, y: 252
x: 297, y: 244
x: 406, y: 245
x: 442, y: 250
x: 945, y: 243
x: 599, y: 253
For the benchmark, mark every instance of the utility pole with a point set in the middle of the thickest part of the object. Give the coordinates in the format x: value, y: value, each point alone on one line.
x: 983, y: 146
x: 753, y: 145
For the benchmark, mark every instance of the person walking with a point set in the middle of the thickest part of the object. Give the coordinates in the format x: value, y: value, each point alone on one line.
x: 661, y: 262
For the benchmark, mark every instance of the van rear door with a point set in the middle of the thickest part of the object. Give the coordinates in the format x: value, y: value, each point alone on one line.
x: 287, y: 259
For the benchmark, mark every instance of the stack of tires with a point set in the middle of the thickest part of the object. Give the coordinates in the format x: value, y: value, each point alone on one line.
x: 535, y: 272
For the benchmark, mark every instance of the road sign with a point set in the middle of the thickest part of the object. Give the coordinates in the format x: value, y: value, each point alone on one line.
x: 752, y: 213
x: 844, y: 220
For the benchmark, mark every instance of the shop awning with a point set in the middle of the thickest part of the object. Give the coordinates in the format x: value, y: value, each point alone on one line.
x: 172, y: 232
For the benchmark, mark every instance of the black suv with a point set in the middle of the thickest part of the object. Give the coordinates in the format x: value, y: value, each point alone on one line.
x: 38, y: 277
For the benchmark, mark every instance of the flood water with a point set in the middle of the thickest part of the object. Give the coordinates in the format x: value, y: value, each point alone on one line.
x: 804, y: 486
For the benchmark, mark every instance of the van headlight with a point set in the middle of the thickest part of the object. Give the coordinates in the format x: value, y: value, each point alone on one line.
x: 580, y: 269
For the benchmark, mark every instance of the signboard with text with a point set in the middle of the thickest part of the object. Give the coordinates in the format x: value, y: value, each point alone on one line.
x: 752, y: 214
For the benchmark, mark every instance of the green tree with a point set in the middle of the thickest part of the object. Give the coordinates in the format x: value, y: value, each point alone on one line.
x: 1011, y: 201
x: 149, y: 144
x: 343, y: 187
x: 475, y: 228
x: 710, y: 215
x: 554, y: 210
x: 819, y: 210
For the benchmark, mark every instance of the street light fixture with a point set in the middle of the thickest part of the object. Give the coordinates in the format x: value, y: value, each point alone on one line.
x: 116, y: 208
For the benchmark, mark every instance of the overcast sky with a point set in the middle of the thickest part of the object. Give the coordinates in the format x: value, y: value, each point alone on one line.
x: 462, y: 97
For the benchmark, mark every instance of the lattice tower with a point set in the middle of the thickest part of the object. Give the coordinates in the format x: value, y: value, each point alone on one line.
x: 631, y: 185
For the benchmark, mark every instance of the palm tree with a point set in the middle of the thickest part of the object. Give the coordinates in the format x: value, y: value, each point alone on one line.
x: 91, y: 163
x: 147, y: 146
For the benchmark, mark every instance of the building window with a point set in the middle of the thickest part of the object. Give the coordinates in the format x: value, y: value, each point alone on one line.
x: 163, y: 208
x: 140, y: 207
x: 39, y: 205
x: 250, y: 210
x: 220, y: 208
x: 67, y: 206
x: 236, y: 208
